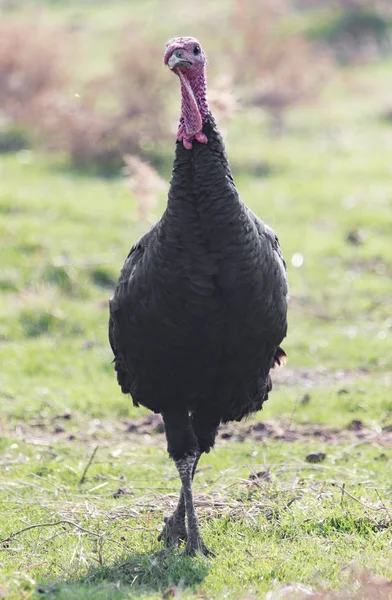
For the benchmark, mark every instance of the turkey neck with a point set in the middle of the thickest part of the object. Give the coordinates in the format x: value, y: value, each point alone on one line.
x: 202, y: 192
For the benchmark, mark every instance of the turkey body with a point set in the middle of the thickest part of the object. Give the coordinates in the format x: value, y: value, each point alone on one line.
x: 200, y: 307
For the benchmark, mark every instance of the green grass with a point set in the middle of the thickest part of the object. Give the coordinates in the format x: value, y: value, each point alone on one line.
x: 64, y: 238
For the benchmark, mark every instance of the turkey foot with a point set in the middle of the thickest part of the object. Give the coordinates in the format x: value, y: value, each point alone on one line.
x: 174, y: 531
x: 195, y: 544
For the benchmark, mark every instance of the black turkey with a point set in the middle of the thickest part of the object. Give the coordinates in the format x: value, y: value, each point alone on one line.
x: 201, y: 304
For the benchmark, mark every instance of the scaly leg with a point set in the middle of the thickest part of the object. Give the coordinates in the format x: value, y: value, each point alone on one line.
x: 174, y: 531
x: 184, y: 449
x: 185, y: 467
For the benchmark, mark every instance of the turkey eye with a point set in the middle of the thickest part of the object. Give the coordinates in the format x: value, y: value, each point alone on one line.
x: 196, y: 50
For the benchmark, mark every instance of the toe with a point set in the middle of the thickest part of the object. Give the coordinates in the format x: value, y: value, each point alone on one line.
x: 189, y: 550
x: 194, y: 546
x: 173, y: 532
x: 204, y: 550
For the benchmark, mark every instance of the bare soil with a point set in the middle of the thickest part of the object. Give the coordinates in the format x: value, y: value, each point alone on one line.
x: 151, y: 429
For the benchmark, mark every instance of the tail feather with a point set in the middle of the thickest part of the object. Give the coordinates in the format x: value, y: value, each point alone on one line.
x: 279, y: 358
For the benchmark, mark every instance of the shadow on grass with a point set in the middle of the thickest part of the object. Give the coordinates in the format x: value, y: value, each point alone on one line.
x: 138, y: 574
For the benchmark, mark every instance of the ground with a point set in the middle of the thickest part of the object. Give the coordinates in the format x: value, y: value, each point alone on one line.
x: 300, y: 493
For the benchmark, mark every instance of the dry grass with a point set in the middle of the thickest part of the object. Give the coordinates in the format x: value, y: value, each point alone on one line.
x: 107, y: 119
x: 275, y: 71
x: 222, y: 100
x: 362, y: 585
x: 32, y: 68
x: 88, y: 137
x: 269, y: 68
x: 139, y: 81
x: 383, y: 6
x: 146, y: 185
x: 356, y: 31
x: 111, y: 119
x: 113, y: 520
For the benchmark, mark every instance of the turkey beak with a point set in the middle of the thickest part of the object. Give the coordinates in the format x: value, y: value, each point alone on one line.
x: 177, y: 60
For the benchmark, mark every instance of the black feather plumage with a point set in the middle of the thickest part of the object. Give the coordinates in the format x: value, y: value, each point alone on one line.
x: 200, y: 307
x: 198, y: 315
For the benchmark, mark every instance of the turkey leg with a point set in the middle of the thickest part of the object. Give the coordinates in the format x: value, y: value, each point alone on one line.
x: 185, y: 467
x: 174, y: 531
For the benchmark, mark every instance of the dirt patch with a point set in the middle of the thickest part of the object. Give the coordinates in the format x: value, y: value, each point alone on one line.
x: 73, y: 427
x: 319, y: 376
x: 147, y: 425
x: 355, y: 431
x: 150, y: 430
x: 286, y: 431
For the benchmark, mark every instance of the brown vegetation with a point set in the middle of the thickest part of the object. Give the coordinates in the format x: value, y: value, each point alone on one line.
x: 363, y: 585
x: 126, y: 110
x: 107, y: 119
x: 146, y: 185
x: 32, y: 67
x: 123, y: 112
x: 356, y: 31
x: 276, y: 70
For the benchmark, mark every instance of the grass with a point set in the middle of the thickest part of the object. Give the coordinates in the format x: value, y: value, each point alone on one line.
x: 64, y: 238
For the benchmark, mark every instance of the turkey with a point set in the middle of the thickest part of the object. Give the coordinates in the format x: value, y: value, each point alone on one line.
x: 200, y: 308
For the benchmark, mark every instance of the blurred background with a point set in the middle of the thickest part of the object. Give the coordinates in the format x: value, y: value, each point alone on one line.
x: 77, y: 77
x: 301, y: 90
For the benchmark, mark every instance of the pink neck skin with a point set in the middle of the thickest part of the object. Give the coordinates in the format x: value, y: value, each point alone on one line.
x: 194, y: 108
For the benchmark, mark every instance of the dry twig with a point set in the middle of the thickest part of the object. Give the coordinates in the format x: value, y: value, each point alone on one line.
x: 88, y: 465
x: 61, y: 522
